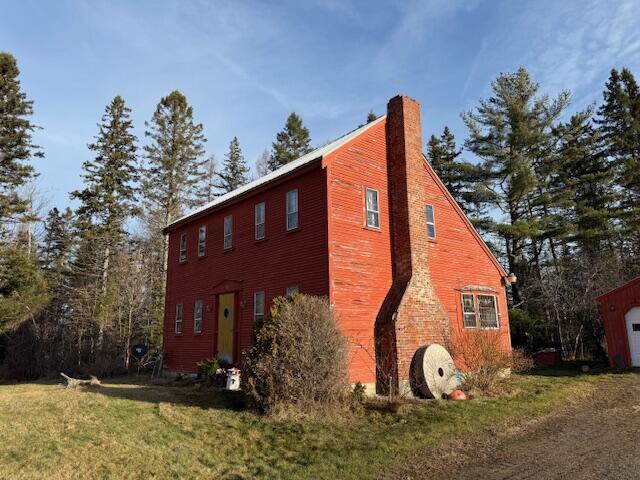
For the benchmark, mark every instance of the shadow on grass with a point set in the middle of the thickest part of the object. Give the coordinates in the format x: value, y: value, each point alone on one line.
x: 579, y: 368
x: 139, y: 389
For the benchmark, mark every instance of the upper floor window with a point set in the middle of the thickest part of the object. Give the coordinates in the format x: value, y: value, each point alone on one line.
x: 183, y: 247
x: 479, y: 311
x: 228, y: 232
x: 291, y: 291
x: 292, y: 209
x: 258, y: 305
x: 373, y: 211
x: 197, y: 317
x: 260, y: 220
x: 178, y: 322
x: 202, y: 240
x: 431, y: 222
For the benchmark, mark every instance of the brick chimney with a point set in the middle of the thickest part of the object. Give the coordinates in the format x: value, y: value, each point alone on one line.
x: 411, y: 315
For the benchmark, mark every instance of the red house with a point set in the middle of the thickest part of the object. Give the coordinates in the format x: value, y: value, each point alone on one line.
x: 364, y: 221
x: 620, y: 309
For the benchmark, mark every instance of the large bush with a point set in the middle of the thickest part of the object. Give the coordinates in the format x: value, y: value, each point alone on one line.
x: 298, y: 359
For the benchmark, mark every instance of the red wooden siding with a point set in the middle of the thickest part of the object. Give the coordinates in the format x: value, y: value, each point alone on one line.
x: 614, y: 305
x: 283, y: 259
x: 360, y: 257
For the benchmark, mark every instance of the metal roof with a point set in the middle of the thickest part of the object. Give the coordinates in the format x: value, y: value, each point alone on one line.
x: 316, y: 154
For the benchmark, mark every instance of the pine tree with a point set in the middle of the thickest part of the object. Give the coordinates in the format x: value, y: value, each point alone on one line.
x: 16, y: 146
x: 619, y: 122
x: 175, y: 164
x: 235, y: 169
x: 463, y: 179
x: 291, y: 143
x: 262, y: 163
x: 511, y: 133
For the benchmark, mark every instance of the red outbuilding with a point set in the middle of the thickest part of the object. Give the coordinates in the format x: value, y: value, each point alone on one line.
x: 620, y: 310
x: 364, y: 221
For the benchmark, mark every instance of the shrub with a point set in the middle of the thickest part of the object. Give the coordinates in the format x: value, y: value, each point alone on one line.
x: 486, y: 361
x: 298, y: 359
x: 209, y: 367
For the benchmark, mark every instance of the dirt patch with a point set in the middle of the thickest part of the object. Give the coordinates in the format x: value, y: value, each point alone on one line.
x: 594, y: 436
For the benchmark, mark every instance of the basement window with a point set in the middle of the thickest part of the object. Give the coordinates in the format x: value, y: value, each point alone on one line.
x: 431, y: 223
x: 183, y: 247
x: 178, y: 323
x: 292, y: 210
x: 373, y: 210
x: 228, y: 232
x: 291, y: 291
x: 202, y: 240
x: 479, y: 310
x: 260, y: 221
x: 258, y: 306
x: 197, y: 317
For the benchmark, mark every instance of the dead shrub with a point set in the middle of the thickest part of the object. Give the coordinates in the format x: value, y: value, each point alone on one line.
x: 487, y: 363
x: 298, y: 360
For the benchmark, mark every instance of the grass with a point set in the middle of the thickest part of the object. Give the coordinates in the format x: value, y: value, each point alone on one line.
x: 132, y: 430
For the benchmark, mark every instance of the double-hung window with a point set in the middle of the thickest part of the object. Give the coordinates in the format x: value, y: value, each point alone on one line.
x: 183, y: 247
x: 178, y: 323
x: 431, y: 222
x: 258, y: 306
x: 197, y: 317
x: 292, y: 209
x: 228, y: 232
x: 373, y: 210
x: 479, y: 311
x: 260, y: 220
x: 202, y: 240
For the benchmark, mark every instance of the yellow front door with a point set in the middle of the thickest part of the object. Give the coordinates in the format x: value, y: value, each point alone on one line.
x: 226, y: 316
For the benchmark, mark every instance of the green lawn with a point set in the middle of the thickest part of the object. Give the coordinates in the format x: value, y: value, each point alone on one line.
x: 129, y: 430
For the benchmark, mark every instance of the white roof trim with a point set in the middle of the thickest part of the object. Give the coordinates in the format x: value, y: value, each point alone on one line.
x: 282, y: 171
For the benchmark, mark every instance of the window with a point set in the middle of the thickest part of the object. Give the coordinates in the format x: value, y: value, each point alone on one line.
x: 258, y: 306
x: 260, y: 222
x: 373, y: 212
x: 228, y: 232
x: 197, y: 317
x: 487, y: 311
x: 431, y: 223
x: 292, y: 291
x: 468, y: 310
x: 183, y: 247
x: 202, y: 240
x: 479, y: 310
x: 179, y: 318
x: 292, y: 209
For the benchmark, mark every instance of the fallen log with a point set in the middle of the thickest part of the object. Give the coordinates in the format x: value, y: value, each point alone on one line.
x: 76, y: 382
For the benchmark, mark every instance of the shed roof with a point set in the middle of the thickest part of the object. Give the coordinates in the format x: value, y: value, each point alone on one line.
x: 316, y: 154
x: 624, y: 286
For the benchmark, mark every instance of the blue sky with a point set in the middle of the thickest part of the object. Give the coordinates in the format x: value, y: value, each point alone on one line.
x: 245, y: 65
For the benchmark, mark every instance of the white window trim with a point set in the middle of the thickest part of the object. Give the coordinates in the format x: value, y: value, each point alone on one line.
x: 292, y: 291
x: 226, y: 234
x: 256, y: 313
x: 202, y: 241
x: 433, y: 214
x: 264, y: 220
x: 195, y: 317
x: 296, y: 211
x: 366, y: 208
x: 476, y: 310
x: 183, y: 248
x: 178, y: 319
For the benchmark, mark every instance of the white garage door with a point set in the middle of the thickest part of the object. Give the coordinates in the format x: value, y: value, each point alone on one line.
x: 633, y: 334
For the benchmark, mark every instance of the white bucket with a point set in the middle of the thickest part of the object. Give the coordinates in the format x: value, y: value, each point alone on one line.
x: 233, y: 379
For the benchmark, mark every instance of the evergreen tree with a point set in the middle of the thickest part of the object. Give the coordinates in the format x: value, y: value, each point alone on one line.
x: 235, y: 169
x: 262, y: 163
x: 175, y: 164
x: 511, y: 133
x: 291, y: 143
x: 16, y: 146
x: 464, y: 180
